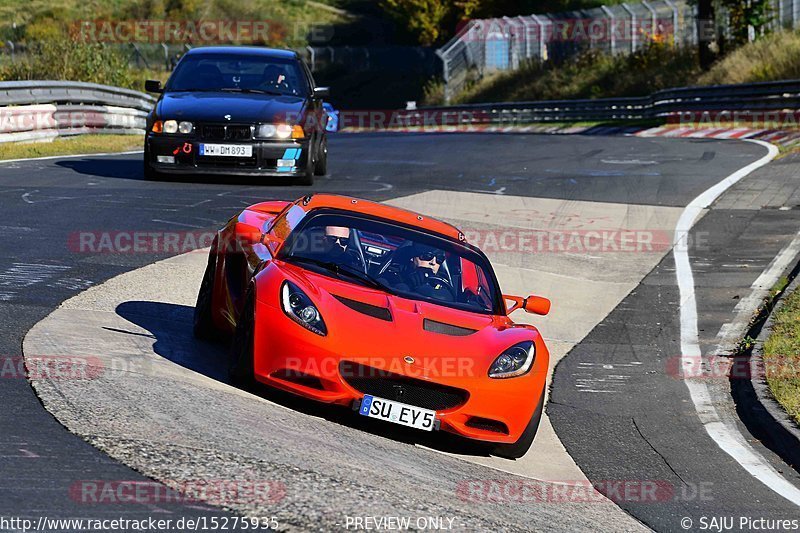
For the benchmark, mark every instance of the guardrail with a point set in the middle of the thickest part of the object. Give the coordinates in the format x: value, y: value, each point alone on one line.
x: 43, y: 110
x: 736, y: 99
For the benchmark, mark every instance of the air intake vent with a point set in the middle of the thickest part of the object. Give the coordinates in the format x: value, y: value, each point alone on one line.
x: 446, y: 329
x: 381, y: 313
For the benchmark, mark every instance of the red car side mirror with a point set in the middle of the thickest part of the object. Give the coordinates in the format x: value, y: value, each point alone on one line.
x: 536, y: 305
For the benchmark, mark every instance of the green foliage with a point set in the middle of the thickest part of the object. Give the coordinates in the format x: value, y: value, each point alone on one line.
x: 591, y: 75
x: 49, y: 59
x: 746, y: 13
x: 424, y: 20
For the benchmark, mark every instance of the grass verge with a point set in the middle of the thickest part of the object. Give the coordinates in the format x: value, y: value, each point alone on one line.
x: 81, y: 144
x: 782, y: 355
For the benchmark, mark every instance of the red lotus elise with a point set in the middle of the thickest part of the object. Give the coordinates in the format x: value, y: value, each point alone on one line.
x: 379, y: 309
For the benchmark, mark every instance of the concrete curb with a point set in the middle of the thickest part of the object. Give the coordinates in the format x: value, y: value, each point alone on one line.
x: 773, y: 418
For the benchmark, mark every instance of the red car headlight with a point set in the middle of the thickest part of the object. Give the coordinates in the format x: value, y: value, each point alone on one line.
x: 514, y: 361
x: 299, y: 307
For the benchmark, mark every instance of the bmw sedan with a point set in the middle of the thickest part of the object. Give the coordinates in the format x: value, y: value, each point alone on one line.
x: 241, y: 111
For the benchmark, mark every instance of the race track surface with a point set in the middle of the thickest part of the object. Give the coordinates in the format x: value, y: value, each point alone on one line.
x: 643, y: 429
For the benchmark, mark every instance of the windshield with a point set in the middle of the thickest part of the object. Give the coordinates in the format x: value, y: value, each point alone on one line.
x: 395, y: 259
x: 239, y: 73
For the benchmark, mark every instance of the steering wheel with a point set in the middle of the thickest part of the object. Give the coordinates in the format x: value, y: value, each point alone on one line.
x: 431, y: 280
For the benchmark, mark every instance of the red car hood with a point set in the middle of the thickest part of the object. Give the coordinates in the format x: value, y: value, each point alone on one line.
x: 438, y: 338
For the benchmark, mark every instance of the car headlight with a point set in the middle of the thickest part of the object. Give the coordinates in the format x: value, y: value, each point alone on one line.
x: 514, y: 361
x: 185, y: 127
x: 280, y: 131
x: 170, y: 126
x: 265, y: 131
x: 299, y: 308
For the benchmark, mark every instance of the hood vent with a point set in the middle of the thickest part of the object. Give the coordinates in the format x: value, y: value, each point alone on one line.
x: 446, y: 329
x: 381, y: 313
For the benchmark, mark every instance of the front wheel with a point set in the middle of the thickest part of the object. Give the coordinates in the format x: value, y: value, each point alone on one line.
x: 240, y: 372
x: 523, y: 444
x: 203, y: 322
x: 321, y: 168
x: 149, y: 173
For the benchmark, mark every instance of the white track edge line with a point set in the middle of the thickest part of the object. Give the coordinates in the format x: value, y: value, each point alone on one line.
x: 68, y: 156
x: 727, y: 437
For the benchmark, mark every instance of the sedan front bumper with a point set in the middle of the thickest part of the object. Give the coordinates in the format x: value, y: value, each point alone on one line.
x: 269, y: 158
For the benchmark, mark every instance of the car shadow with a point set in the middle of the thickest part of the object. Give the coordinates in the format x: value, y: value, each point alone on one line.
x: 130, y: 168
x: 171, y: 325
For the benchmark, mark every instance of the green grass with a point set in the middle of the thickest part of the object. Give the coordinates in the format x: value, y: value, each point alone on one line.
x: 81, y: 144
x: 782, y: 356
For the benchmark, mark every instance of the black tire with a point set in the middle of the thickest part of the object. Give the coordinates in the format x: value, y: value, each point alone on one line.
x: 149, y: 173
x: 520, y: 448
x: 307, y: 178
x: 203, y: 323
x: 240, y: 372
x: 321, y: 168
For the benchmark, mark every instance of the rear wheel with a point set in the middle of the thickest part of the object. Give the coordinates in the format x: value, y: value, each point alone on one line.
x: 240, y: 372
x: 520, y: 448
x: 203, y: 321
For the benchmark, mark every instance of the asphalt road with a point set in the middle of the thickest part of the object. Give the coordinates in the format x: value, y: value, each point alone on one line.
x: 620, y: 436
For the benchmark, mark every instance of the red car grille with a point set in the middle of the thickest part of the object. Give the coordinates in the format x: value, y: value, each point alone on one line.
x: 417, y: 392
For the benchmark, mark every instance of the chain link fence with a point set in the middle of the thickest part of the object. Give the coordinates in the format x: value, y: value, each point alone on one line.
x: 489, y: 45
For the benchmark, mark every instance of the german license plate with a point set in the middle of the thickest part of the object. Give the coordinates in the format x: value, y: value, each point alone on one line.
x: 398, y: 413
x: 226, y: 150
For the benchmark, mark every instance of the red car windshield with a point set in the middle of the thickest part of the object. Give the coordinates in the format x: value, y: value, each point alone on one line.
x: 396, y: 259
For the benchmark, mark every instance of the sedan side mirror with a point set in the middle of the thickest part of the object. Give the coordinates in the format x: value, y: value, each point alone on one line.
x: 153, y: 86
x: 536, y: 305
x: 322, y: 92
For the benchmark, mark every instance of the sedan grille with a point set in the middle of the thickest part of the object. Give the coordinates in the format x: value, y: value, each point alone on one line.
x: 232, y: 132
x: 376, y: 382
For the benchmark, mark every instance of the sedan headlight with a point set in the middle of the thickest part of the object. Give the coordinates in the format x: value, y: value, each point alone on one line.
x: 515, y: 361
x: 280, y: 131
x: 185, y: 127
x: 170, y: 126
x: 299, y: 308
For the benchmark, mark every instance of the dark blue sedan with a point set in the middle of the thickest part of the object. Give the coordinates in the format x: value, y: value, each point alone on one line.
x: 243, y: 111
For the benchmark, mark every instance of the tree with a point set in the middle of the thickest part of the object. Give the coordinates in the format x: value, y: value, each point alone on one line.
x: 430, y: 22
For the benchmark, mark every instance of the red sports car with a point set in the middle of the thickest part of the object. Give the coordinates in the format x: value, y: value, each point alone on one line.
x: 383, y: 310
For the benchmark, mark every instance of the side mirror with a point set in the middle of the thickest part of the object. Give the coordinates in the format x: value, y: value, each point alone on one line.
x: 536, y: 305
x: 271, y: 242
x: 153, y: 86
x: 322, y: 92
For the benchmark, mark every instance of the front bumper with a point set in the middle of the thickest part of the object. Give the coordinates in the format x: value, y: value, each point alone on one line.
x: 291, y: 358
x: 185, y: 151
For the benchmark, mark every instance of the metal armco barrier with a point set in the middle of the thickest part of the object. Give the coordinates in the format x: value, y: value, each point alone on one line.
x: 41, y: 110
x: 743, y: 98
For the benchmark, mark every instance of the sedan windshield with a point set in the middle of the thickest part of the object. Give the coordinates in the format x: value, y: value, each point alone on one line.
x: 239, y: 73
x: 402, y: 261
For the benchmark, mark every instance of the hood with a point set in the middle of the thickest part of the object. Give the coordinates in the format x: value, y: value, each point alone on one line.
x: 243, y: 108
x: 429, y: 332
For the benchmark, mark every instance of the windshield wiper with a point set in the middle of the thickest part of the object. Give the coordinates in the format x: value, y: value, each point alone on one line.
x: 338, y: 269
x: 250, y: 91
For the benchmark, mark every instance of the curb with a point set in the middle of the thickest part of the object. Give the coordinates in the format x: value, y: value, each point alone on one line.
x: 780, y: 428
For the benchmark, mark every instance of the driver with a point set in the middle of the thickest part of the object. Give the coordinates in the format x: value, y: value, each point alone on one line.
x: 422, y: 276
x: 274, y: 77
x: 336, y: 248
